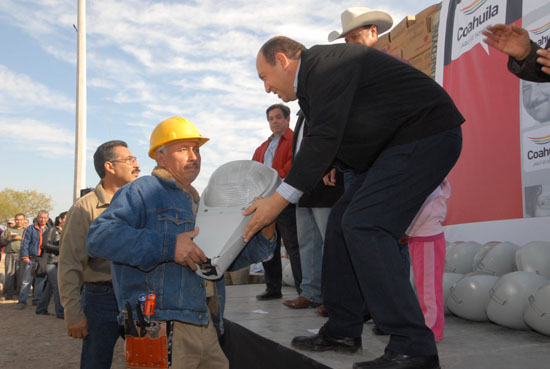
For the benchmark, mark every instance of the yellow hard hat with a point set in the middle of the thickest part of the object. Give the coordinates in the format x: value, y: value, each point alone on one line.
x: 172, y: 129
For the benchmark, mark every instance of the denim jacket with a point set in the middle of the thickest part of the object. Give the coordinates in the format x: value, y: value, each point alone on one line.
x: 138, y: 234
x: 32, y: 242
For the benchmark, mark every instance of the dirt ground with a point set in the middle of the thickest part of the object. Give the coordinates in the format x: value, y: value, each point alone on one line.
x: 30, y: 341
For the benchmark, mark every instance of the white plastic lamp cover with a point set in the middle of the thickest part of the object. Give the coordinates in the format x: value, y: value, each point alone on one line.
x: 459, y: 258
x: 485, y: 248
x: 468, y: 298
x: 449, y: 245
x: 537, y: 313
x: 449, y: 279
x: 500, y: 260
x: 534, y: 257
x: 231, y: 189
x: 509, y: 298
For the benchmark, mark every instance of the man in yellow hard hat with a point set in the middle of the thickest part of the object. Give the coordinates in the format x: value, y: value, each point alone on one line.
x: 148, y: 233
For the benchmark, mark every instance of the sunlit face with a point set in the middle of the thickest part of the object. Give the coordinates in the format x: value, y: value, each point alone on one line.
x: 19, y: 221
x: 125, y: 166
x: 277, y: 121
x: 362, y: 36
x: 43, y: 219
x: 182, y: 159
x: 536, y: 100
x: 277, y: 78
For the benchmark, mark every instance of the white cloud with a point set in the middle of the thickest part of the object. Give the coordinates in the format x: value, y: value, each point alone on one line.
x: 20, y: 91
x: 150, y: 59
x: 61, y: 54
x: 43, y: 138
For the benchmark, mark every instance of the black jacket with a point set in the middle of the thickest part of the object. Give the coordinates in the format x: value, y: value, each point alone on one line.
x: 321, y: 196
x: 359, y: 101
x: 528, y: 68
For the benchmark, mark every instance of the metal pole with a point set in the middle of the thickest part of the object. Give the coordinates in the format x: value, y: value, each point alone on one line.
x: 80, y: 132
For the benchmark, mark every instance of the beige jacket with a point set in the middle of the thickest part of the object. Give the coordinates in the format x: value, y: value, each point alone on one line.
x: 75, y: 267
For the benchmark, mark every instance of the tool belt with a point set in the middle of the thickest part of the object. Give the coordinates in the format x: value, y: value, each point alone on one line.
x: 148, y: 343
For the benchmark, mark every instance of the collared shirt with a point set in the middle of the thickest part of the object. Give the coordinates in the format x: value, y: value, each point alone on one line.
x: 270, y: 152
x: 75, y: 266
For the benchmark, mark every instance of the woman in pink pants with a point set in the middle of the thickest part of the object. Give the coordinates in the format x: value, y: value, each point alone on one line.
x: 427, y: 248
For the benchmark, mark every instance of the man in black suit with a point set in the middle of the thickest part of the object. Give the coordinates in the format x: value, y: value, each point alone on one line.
x: 400, y: 132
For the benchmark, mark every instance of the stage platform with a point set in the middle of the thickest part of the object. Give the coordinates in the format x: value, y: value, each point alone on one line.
x: 269, y: 327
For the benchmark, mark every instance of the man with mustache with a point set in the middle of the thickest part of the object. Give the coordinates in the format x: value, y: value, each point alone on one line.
x: 85, y: 285
x: 536, y: 100
x: 147, y: 233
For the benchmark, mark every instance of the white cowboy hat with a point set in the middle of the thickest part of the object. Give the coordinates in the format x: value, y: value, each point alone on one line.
x: 357, y: 17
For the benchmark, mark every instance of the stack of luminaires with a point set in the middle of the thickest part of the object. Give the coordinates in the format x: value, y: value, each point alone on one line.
x: 484, y: 249
x: 468, y: 298
x: 459, y: 258
x: 537, y: 313
x: 500, y: 260
x: 534, y: 257
x: 509, y: 298
x: 449, y: 279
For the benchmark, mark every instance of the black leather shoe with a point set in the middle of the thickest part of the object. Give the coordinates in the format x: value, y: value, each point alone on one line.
x: 325, y: 342
x: 268, y: 295
x: 379, y: 332
x: 393, y: 360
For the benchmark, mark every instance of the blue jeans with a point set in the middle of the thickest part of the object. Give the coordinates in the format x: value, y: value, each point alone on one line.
x: 286, y: 229
x: 26, y: 282
x: 311, y: 224
x: 51, y: 289
x: 101, y: 310
x: 362, y: 260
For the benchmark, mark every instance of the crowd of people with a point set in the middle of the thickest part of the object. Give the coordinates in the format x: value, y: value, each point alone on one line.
x: 31, y: 259
x: 362, y: 200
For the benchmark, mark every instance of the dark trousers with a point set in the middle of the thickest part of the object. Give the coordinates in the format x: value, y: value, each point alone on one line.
x: 101, y: 310
x: 362, y: 261
x: 286, y: 229
x: 12, y: 279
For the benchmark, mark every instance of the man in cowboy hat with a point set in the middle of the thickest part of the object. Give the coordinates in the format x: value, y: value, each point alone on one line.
x: 362, y: 26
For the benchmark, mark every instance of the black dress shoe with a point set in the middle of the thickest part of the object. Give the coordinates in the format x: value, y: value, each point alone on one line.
x: 325, y: 342
x: 269, y: 295
x: 379, y: 332
x: 393, y: 360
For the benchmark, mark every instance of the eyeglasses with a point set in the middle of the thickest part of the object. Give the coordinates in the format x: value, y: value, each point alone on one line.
x: 130, y: 160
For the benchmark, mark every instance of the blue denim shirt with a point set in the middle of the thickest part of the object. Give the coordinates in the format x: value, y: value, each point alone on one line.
x: 138, y: 234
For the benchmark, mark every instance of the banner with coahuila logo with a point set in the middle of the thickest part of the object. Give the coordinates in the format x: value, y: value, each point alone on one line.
x: 504, y: 170
x: 535, y: 120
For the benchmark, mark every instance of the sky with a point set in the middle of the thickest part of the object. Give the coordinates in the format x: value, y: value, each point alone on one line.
x: 147, y: 60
